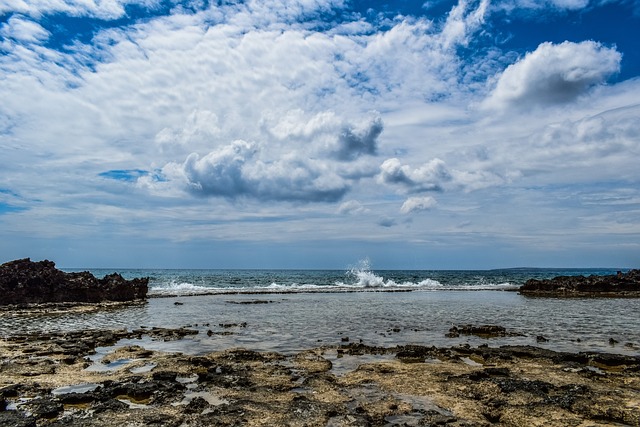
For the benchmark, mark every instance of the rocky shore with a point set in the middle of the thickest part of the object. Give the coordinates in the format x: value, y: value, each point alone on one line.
x: 27, y: 282
x: 617, y: 285
x: 90, y: 378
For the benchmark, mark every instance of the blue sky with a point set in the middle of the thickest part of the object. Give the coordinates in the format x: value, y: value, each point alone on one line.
x: 315, y: 133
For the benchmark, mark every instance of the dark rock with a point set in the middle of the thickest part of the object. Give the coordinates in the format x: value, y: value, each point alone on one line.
x: 44, y: 408
x: 77, y: 398
x: 484, y: 331
x: 160, y: 420
x: 26, y: 282
x: 621, y: 284
x: 414, y: 352
x: 16, y: 419
x: 110, y: 405
x: 536, y: 387
x: 165, y: 376
x: 196, y: 406
x: 259, y: 301
x: 540, y: 338
x: 10, y: 391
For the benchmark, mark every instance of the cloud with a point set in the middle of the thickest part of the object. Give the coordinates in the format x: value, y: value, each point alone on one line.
x: 236, y: 171
x: 462, y: 22
x: 417, y: 204
x: 429, y: 177
x: 326, y: 131
x: 103, y: 9
x: 387, y: 222
x: 351, y: 207
x: 23, y: 30
x: 554, y: 74
x: 353, y: 143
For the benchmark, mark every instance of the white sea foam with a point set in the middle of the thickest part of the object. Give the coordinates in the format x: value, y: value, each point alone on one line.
x: 180, y: 288
x: 359, y: 278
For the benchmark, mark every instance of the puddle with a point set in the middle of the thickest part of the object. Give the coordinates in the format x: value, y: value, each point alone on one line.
x: 187, y: 380
x: 76, y: 388
x: 342, y: 364
x: 13, y: 406
x: 470, y: 362
x: 142, y: 369
x: 107, y: 367
x: 211, y: 398
x: 134, y: 403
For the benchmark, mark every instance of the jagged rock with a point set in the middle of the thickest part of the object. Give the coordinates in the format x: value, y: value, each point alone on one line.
x: 620, y: 284
x: 26, y: 282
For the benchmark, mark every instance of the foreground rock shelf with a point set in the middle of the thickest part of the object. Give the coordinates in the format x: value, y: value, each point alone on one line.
x: 27, y: 282
x: 56, y: 379
x: 617, y: 285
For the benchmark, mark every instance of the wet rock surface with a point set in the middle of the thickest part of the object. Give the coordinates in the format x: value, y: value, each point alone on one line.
x: 26, y: 282
x: 410, y: 385
x: 621, y: 284
x: 484, y: 331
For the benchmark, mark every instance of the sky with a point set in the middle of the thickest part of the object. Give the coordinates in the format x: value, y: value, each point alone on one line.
x: 471, y: 134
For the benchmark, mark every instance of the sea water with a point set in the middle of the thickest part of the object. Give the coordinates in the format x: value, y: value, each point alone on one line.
x: 291, y: 310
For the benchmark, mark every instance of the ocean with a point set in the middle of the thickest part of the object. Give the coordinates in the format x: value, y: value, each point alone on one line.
x: 292, y: 310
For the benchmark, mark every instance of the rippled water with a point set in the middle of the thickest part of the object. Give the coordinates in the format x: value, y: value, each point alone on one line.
x: 292, y: 322
x: 357, y: 278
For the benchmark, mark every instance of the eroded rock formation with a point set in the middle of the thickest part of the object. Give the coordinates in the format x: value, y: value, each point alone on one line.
x: 25, y: 282
x: 621, y: 284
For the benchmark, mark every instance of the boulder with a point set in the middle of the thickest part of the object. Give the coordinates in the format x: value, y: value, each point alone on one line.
x: 26, y: 282
x: 620, y: 284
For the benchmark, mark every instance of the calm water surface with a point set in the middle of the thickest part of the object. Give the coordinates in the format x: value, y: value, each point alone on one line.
x: 297, y: 321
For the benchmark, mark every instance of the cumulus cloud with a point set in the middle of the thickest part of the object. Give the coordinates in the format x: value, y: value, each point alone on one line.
x: 429, y: 177
x: 417, y: 204
x: 353, y: 143
x: 236, y: 171
x: 201, y: 126
x: 326, y: 131
x: 553, y: 74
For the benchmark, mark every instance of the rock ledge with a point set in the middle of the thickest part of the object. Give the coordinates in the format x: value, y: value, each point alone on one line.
x: 615, y: 285
x: 27, y: 282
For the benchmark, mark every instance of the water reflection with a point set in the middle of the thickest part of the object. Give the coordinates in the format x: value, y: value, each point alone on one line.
x: 292, y: 322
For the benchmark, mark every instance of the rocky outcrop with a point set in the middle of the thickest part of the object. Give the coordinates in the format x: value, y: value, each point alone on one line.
x: 25, y: 282
x: 621, y: 284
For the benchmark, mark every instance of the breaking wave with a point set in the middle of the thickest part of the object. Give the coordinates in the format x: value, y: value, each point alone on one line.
x: 358, y: 278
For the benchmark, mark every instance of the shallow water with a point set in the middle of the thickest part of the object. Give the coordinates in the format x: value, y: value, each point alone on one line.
x: 293, y: 322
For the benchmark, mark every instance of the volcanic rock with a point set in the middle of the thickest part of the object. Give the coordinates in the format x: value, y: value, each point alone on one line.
x: 620, y: 284
x: 26, y: 282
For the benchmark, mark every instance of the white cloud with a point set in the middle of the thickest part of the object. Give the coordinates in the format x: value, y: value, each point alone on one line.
x: 106, y: 9
x: 429, y: 177
x: 417, y: 204
x: 236, y: 171
x: 462, y: 22
x: 553, y: 74
x: 23, y: 30
x: 351, y: 207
